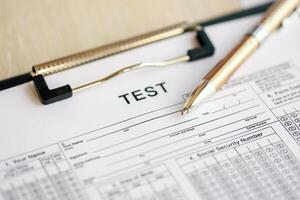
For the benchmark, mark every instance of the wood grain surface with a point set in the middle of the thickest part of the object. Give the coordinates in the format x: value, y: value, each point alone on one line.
x: 35, y: 31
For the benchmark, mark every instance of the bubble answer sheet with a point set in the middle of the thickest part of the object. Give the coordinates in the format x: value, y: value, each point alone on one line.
x: 126, y: 139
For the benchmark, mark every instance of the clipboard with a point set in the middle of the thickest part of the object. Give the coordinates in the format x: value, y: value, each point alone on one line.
x: 48, y: 96
x: 98, y: 145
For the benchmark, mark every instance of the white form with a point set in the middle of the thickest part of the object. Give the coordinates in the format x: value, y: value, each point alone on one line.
x: 127, y: 140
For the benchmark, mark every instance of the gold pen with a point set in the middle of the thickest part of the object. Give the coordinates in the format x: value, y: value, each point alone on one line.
x: 216, y: 78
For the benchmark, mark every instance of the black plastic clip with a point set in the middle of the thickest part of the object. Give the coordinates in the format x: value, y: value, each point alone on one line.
x: 47, y: 95
x: 206, y: 49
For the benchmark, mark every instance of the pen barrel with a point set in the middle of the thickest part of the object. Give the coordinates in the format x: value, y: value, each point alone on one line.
x: 274, y: 17
x: 227, y: 66
x: 269, y: 23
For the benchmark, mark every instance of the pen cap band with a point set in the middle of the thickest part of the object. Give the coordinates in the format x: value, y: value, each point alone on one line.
x: 274, y: 18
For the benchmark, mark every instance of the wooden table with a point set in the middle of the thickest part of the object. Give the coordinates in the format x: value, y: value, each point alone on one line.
x: 35, y: 31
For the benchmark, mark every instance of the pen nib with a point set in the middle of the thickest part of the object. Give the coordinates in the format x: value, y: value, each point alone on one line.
x: 184, y: 110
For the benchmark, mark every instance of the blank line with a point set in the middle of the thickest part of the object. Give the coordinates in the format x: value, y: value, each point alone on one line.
x: 126, y: 149
x: 148, y: 120
x: 180, y: 141
x: 240, y: 103
x: 245, y: 143
x: 196, y: 126
x: 231, y: 94
x: 198, y: 148
x: 149, y: 113
x: 230, y: 139
x: 145, y: 134
x: 209, y: 139
x: 130, y: 118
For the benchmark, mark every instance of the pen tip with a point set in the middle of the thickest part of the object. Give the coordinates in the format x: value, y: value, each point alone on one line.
x: 184, y: 110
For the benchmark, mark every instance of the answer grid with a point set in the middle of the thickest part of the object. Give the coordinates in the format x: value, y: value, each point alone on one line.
x: 157, y: 183
x: 291, y: 122
x: 49, y: 177
x: 262, y: 169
